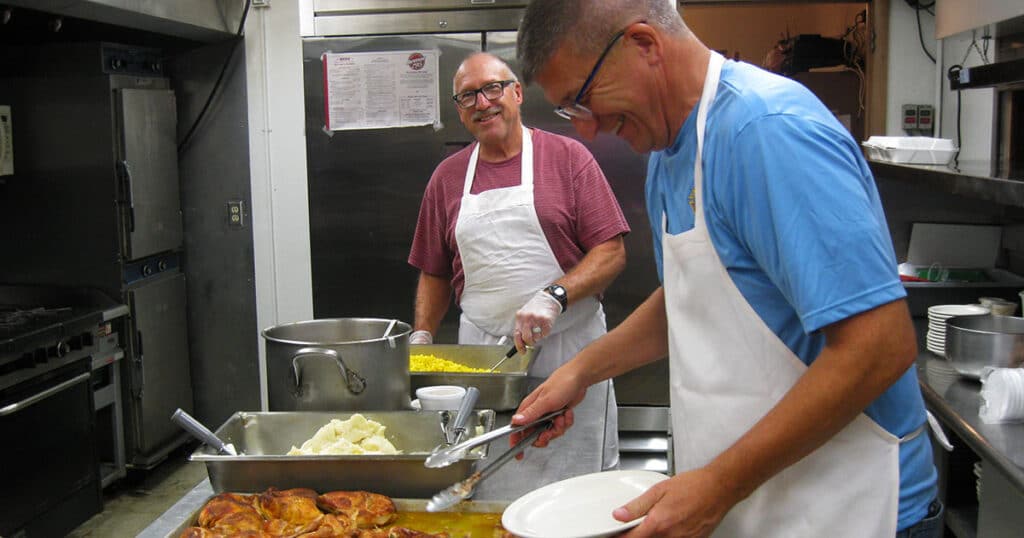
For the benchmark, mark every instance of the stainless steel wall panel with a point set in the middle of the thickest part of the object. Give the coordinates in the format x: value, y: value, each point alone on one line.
x: 377, y: 6
x: 418, y: 23
x: 365, y: 187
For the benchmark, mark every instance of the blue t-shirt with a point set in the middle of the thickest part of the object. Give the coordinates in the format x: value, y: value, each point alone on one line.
x: 794, y: 215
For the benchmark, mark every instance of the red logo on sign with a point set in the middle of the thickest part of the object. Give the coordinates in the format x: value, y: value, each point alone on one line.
x: 417, y: 61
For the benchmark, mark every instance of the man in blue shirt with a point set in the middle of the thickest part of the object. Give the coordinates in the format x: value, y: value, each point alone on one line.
x: 795, y: 405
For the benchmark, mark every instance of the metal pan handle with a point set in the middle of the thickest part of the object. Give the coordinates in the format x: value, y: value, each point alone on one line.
x: 356, y: 383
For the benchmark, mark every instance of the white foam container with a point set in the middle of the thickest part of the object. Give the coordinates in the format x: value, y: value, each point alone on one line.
x: 910, y: 149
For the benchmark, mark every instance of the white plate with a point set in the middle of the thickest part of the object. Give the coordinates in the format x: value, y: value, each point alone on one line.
x: 946, y: 311
x: 578, y: 507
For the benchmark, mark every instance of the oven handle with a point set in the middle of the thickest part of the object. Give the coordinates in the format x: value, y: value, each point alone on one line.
x: 36, y: 398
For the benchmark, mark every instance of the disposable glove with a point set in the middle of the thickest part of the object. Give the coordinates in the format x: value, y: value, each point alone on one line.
x: 421, y: 337
x: 535, y: 319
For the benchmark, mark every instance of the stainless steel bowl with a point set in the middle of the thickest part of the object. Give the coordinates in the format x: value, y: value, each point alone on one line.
x: 974, y: 342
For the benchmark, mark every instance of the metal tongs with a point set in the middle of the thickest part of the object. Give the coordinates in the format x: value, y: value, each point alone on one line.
x: 445, y: 456
x: 461, y: 490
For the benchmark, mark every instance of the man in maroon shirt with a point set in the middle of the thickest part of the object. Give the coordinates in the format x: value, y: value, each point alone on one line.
x: 526, y: 231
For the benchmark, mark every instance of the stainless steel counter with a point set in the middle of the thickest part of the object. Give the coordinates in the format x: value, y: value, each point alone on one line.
x: 179, y: 512
x: 956, y: 404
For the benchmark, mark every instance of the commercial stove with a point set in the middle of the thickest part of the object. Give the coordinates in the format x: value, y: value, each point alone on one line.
x: 50, y: 338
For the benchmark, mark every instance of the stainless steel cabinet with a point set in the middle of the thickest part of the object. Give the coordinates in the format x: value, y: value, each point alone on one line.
x: 160, y: 377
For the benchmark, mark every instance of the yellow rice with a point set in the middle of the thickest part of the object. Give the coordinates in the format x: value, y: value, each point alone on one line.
x: 431, y: 363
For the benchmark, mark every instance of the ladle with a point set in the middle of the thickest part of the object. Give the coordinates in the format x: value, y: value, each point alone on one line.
x: 196, y: 428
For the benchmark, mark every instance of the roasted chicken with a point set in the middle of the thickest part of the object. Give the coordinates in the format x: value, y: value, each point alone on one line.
x: 367, y: 510
x: 300, y: 513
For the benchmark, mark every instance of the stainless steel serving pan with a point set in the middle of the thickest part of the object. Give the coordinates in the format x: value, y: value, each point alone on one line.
x: 974, y: 342
x: 500, y: 390
x: 264, y: 438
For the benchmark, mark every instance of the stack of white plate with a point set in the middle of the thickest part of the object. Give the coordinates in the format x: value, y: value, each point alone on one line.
x: 937, y: 316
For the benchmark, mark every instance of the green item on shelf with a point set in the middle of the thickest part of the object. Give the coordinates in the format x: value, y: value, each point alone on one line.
x: 953, y: 275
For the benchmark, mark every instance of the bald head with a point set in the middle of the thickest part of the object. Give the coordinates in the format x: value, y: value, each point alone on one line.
x: 479, y: 62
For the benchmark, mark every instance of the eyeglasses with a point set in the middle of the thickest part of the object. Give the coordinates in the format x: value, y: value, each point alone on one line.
x: 576, y: 111
x: 491, y: 91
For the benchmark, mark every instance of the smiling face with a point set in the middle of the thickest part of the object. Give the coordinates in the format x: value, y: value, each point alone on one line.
x: 622, y: 96
x: 494, y: 123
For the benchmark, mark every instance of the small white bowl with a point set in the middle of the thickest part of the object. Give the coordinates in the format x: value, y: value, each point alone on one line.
x: 440, y: 397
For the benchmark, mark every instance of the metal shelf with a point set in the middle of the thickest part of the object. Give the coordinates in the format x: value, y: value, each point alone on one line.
x: 974, y: 179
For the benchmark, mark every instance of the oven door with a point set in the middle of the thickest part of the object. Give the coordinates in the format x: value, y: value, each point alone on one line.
x: 51, y: 472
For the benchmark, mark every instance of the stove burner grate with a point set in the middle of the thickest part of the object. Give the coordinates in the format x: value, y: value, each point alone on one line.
x: 13, y: 317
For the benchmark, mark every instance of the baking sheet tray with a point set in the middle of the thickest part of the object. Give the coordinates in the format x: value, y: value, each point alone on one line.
x: 264, y: 438
x: 402, y: 504
x: 501, y: 390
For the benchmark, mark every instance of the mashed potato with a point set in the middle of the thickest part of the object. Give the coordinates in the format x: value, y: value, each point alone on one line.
x: 430, y: 363
x: 354, y: 436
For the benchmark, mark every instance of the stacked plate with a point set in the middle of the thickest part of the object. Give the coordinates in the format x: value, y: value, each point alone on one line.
x: 937, y: 316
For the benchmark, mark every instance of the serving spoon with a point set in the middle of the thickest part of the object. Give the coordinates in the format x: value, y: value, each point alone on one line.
x: 449, y: 455
x: 458, y: 428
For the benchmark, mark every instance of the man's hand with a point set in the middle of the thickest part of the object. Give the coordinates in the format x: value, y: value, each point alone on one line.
x: 421, y: 337
x: 535, y: 319
x: 690, y: 504
x: 561, y: 390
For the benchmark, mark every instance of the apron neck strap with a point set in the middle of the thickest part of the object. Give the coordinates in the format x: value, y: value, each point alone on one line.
x: 526, y: 163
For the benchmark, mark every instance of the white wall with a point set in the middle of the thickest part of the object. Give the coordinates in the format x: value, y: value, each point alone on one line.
x: 914, y: 79
x: 277, y: 149
x: 911, y: 74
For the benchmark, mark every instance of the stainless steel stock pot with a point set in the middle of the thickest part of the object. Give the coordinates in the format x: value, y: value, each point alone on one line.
x: 338, y: 364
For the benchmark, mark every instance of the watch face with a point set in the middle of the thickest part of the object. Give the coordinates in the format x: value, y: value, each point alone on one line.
x: 558, y: 292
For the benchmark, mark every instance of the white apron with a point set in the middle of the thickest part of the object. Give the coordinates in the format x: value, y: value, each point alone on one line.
x: 728, y: 369
x: 506, y: 259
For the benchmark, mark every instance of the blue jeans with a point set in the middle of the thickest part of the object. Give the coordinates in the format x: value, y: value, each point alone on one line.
x: 929, y: 527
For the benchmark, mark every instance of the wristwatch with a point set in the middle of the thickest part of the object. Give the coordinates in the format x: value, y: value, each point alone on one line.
x: 558, y: 292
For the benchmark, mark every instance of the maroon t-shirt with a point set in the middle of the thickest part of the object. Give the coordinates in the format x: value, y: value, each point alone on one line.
x: 574, y: 203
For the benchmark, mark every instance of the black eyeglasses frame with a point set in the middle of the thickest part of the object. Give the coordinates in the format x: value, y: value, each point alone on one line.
x: 577, y: 110
x: 504, y: 84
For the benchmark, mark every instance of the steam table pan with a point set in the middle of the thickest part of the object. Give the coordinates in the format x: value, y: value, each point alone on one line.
x: 501, y: 390
x: 263, y: 440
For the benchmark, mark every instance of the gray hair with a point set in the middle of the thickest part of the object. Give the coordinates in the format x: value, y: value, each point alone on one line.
x: 508, y: 73
x: 585, y: 26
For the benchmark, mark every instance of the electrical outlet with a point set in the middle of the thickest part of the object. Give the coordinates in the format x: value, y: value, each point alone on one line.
x: 910, y: 118
x: 236, y: 214
x: 924, y: 118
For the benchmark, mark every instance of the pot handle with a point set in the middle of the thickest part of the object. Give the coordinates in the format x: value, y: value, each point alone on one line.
x: 355, y: 382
